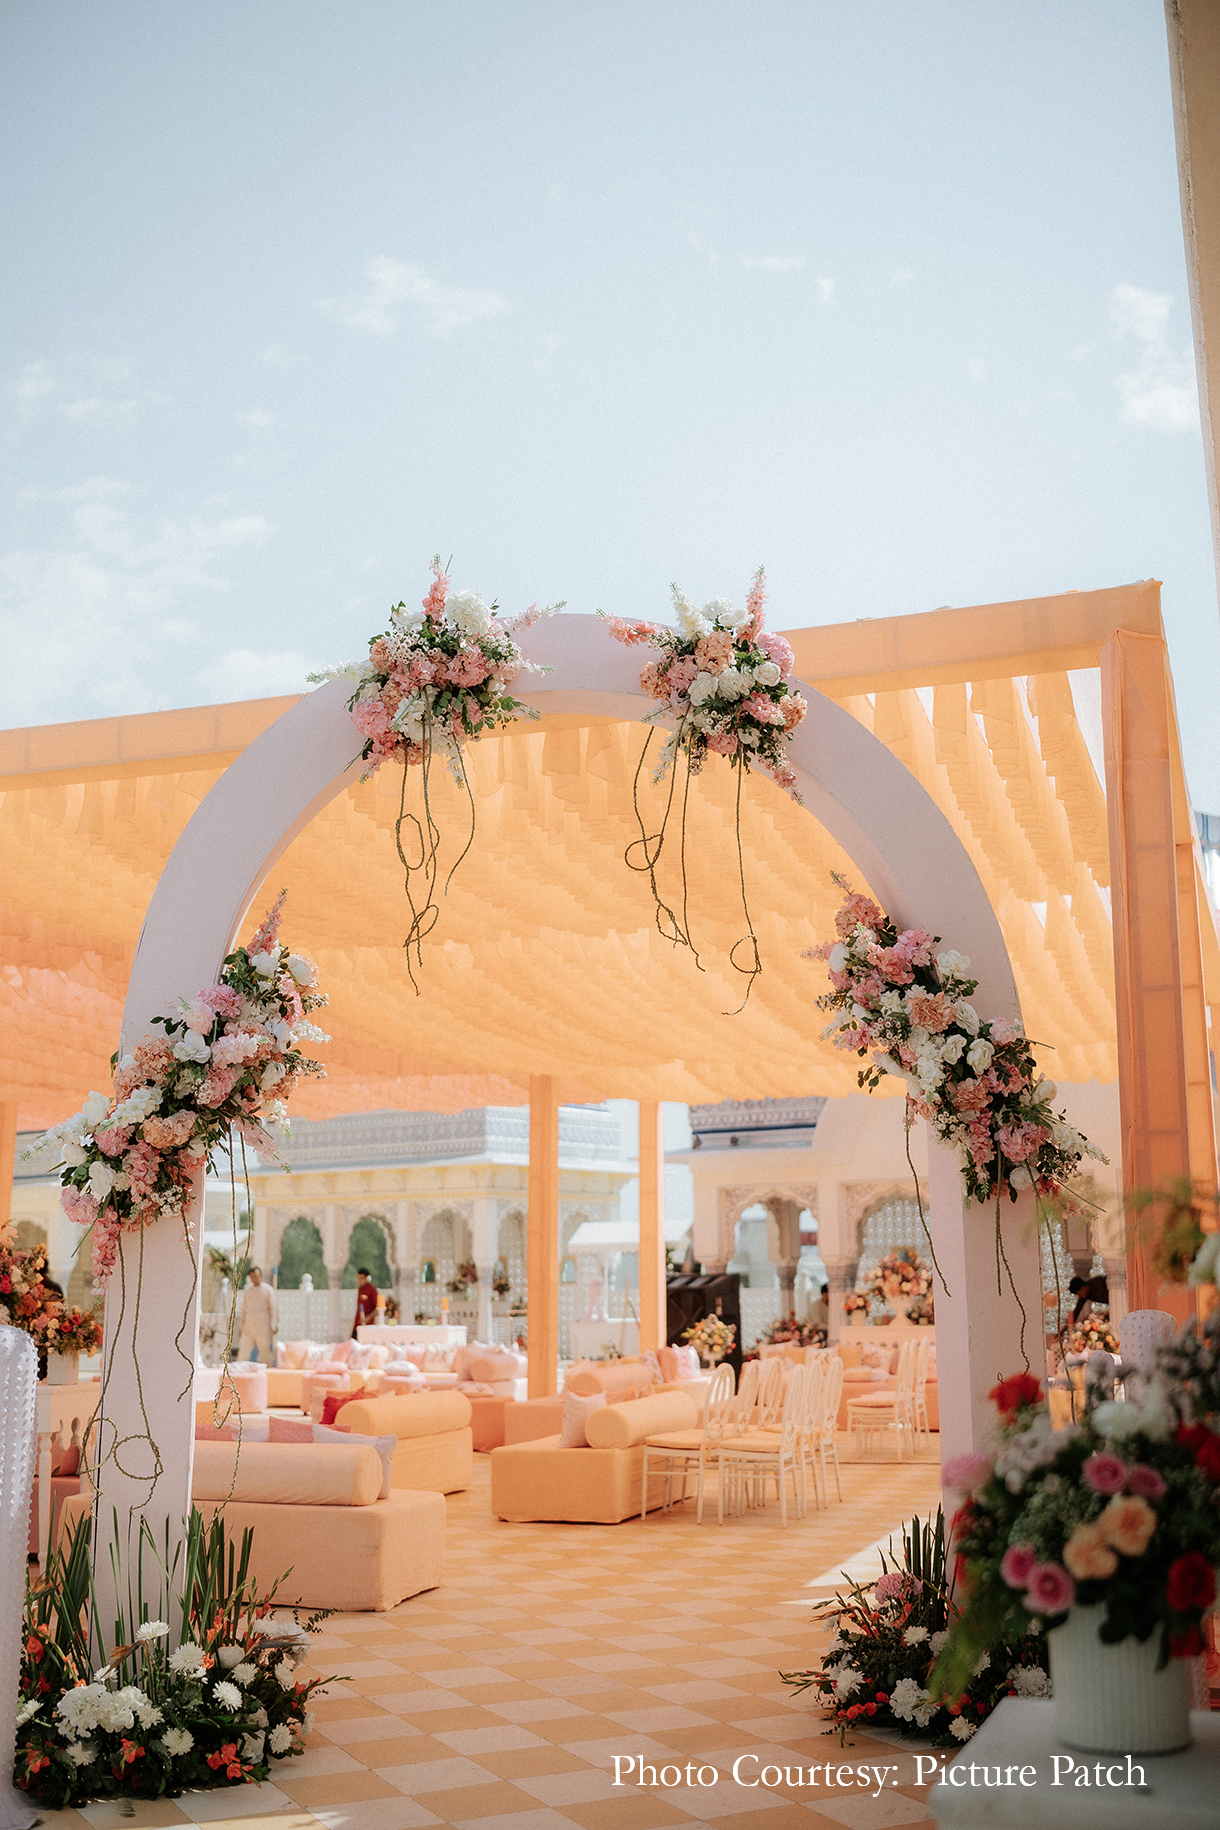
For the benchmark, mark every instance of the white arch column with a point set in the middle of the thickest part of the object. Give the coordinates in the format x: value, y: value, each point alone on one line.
x: 876, y: 810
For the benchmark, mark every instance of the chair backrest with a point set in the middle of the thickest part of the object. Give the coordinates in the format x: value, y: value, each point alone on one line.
x: 747, y: 1394
x: 771, y: 1394
x: 908, y: 1367
x: 815, y: 1379
x: 719, y: 1411
x: 792, y: 1417
x: 832, y: 1392
x: 922, y: 1362
x: 1141, y: 1332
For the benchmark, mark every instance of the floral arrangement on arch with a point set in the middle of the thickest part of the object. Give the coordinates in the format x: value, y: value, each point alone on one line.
x: 437, y: 678
x: 723, y: 683
x: 886, y: 1637
x: 712, y: 1338
x: 28, y: 1304
x: 227, y: 1062
x: 214, y: 1700
x: 905, y: 1008
x: 1120, y: 1510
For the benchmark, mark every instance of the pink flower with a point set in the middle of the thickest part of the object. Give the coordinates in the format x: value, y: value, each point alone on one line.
x: 762, y: 709
x: 221, y: 999
x: 79, y: 1205
x: 778, y: 650
x: 434, y: 603
x: 113, y: 1139
x: 1020, y: 1141
x: 1049, y: 1590
x: 1105, y: 1473
x: 723, y: 742
x: 793, y: 707
x: 681, y: 674
x: 966, y: 1472
x: 1141, y: 1479
x: 198, y: 1017
x: 713, y: 652
x: 1018, y: 1561
x: 266, y: 934
x: 468, y: 668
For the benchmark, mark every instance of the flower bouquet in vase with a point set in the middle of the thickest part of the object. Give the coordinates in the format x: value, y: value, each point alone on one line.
x: 712, y: 1339
x: 1107, y: 1532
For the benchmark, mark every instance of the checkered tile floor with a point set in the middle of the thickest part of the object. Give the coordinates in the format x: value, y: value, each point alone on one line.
x: 499, y: 1701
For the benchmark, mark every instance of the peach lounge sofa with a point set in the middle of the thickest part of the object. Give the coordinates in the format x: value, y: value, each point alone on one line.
x: 317, y: 1521
x: 435, y: 1441
x: 597, y: 1485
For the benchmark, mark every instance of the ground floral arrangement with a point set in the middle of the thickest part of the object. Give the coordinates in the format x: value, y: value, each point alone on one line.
x: 1092, y: 1334
x: 887, y: 1635
x: 208, y: 1697
x: 711, y: 1338
x: 26, y: 1302
x: 787, y: 1331
x: 436, y: 679
x: 227, y: 1062
x: 905, y: 1008
x: 1121, y: 1511
x: 723, y: 682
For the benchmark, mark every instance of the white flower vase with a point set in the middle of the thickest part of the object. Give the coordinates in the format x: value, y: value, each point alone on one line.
x: 63, y: 1369
x: 1112, y: 1699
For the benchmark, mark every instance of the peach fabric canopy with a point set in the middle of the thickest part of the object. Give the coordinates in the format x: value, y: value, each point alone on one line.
x: 546, y: 959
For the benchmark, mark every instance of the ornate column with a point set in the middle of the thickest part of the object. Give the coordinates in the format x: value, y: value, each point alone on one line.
x: 840, y: 1277
x: 652, y: 1228
x: 542, y: 1238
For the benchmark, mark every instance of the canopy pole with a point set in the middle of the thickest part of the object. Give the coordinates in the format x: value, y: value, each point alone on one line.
x: 8, y: 1161
x: 542, y: 1243
x: 652, y: 1227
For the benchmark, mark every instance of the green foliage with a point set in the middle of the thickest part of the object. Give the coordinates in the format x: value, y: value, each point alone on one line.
x: 367, y: 1248
x: 301, y: 1251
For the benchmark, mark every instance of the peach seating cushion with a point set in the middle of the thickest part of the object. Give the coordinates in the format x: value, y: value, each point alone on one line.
x: 491, y: 1366
x: 539, y: 1480
x: 435, y: 1440
x: 281, y: 1474
x: 622, y: 1426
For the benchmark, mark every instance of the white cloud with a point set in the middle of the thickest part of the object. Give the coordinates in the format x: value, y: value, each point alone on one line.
x: 901, y: 276
x: 826, y: 291
x: 279, y: 356
x: 261, y: 445
x: 95, y: 617
x: 394, y: 284
x: 774, y: 263
x: 84, y: 389
x: 1160, y: 392
x: 976, y: 368
x: 244, y: 673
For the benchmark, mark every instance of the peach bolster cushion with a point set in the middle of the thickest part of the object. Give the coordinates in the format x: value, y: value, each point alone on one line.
x: 429, y: 1414
x: 286, y: 1474
x: 621, y: 1426
x: 607, y: 1376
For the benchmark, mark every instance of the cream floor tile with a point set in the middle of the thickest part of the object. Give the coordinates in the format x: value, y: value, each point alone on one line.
x: 562, y: 1789
x: 888, y: 1812
x: 149, y: 1814
x: 235, y: 1805
x: 537, y: 1709
x: 376, y: 1814
x: 666, y: 1716
x: 501, y: 1740
x: 534, y: 1819
x: 436, y: 1775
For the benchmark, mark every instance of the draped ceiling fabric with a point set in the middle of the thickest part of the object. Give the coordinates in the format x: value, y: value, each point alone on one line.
x: 546, y: 959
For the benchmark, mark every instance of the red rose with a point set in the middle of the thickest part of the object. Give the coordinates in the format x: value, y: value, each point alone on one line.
x: 1204, y: 1445
x: 882, y: 1697
x: 1191, y: 1583
x: 1186, y: 1645
x: 1015, y: 1393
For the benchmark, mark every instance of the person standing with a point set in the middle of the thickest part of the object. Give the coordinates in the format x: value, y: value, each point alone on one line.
x: 366, y: 1301
x: 818, y: 1314
x: 259, y: 1319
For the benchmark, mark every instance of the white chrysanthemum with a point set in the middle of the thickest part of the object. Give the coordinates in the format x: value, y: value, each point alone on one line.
x: 177, y: 1741
x: 226, y: 1694
x: 151, y: 1629
x: 82, y: 1753
x: 29, y: 1709
x: 244, y: 1674
x: 286, y: 1675
x: 188, y: 1657
x: 1030, y: 1681
x: 280, y: 1739
x: 847, y: 1679
x: 960, y: 1729
x: 150, y: 1714
x: 914, y: 1636
x: 938, y: 1641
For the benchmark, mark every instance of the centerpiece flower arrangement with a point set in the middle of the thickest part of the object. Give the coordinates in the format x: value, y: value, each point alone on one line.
x: 886, y: 1637
x: 1092, y: 1334
x: 464, y: 1279
x: 712, y: 1338
x: 210, y: 1697
x: 787, y: 1330
x: 723, y: 684
x: 28, y: 1304
x: 855, y: 1301
x: 228, y: 1061
x: 436, y: 679
x: 900, y: 1276
x: 1120, y: 1511
x: 905, y: 1008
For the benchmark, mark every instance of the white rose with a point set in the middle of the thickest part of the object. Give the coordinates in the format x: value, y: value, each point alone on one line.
x: 101, y: 1180
x: 74, y: 1154
x: 191, y: 1047
x: 979, y: 1054
x: 229, y: 1656
x: 730, y: 684
x: 266, y: 964
x: 967, y: 1016
x: 952, y: 965
x: 768, y: 674
x: 838, y: 960
x: 1021, y: 1178
x: 702, y: 687
x: 95, y: 1111
x: 300, y: 968
x: 1045, y: 1091
x: 951, y: 1048
x: 271, y: 1074
x: 722, y: 613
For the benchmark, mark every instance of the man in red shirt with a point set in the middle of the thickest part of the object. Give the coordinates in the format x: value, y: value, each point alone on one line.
x: 366, y: 1301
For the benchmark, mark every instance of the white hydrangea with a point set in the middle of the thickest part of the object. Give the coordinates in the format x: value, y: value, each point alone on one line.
x: 910, y: 1702
x: 188, y: 1657
x: 467, y: 609
x: 81, y: 1753
x: 91, y: 1706
x: 952, y: 965
x: 847, y: 1679
x: 280, y: 1739
x: 177, y: 1741
x: 960, y: 1729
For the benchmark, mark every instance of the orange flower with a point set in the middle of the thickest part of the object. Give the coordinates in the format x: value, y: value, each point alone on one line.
x: 1088, y: 1554
x: 1128, y: 1523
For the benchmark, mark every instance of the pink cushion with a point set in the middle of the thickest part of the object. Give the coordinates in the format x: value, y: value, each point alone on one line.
x: 337, y: 1368
x: 213, y: 1432
x: 667, y: 1360
x: 290, y: 1429
x: 342, y: 1351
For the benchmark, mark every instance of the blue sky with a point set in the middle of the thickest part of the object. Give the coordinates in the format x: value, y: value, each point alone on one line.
x: 592, y: 297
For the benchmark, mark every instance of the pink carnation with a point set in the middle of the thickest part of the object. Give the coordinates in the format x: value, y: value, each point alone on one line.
x: 778, y: 650
x: 1049, y: 1590
x: 1017, y: 1562
x: 1145, y: 1481
x: 1106, y: 1473
x: 966, y: 1472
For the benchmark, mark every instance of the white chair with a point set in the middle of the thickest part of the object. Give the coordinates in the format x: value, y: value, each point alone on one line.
x: 679, y: 1450
x: 761, y: 1453
x: 771, y: 1394
x: 747, y: 1396
x: 923, y: 1424
x: 872, y: 1417
x: 826, y: 1425
x: 815, y: 1379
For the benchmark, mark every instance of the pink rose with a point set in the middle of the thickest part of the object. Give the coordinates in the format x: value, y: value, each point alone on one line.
x: 1049, y: 1589
x: 1018, y: 1560
x: 1105, y: 1473
x: 723, y: 742
x: 1141, y: 1479
x: 966, y: 1472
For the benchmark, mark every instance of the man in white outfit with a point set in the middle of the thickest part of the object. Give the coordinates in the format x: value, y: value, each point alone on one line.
x: 259, y: 1320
